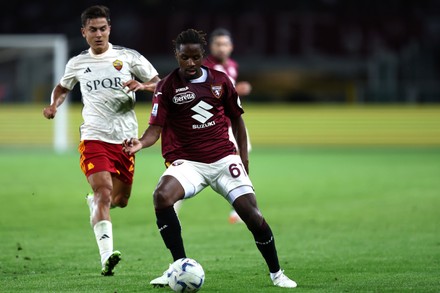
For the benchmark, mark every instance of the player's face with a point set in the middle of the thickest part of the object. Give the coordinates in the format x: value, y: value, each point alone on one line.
x: 97, y: 32
x: 221, y: 48
x: 189, y: 57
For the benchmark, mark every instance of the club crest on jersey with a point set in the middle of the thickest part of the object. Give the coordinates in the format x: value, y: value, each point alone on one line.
x: 117, y: 64
x: 217, y: 90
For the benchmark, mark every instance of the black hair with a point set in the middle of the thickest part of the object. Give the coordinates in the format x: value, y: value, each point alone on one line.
x: 219, y: 32
x: 96, y: 11
x: 190, y: 36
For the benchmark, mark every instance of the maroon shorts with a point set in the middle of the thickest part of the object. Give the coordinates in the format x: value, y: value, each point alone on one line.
x: 97, y: 156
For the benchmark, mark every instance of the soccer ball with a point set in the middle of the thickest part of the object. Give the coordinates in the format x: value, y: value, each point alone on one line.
x: 186, y: 275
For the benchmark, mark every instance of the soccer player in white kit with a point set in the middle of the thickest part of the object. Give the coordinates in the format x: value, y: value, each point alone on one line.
x: 191, y: 109
x: 107, y: 76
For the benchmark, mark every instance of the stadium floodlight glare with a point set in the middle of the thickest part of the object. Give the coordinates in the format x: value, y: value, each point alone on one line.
x: 58, y: 45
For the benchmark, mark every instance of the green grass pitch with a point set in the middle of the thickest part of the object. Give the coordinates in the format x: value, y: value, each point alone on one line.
x: 347, y: 217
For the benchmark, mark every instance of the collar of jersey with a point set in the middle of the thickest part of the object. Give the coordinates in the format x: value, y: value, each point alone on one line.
x: 110, y: 47
x: 202, y: 78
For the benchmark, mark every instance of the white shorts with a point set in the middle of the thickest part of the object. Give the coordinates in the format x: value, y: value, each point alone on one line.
x: 227, y: 177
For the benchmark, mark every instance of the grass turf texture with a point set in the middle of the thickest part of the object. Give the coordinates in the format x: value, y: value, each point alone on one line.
x: 345, y: 220
x: 351, y: 193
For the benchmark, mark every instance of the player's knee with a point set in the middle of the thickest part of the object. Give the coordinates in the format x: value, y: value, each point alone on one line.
x: 162, y: 199
x: 253, y: 219
x: 103, y: 195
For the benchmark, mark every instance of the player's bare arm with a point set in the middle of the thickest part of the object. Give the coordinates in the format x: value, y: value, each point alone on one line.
x: 239, y: 130
x: 134, y: 85
x: 149, y: 138
x: 58, y: 96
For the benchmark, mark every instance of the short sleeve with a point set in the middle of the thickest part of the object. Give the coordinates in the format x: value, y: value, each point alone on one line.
x: 159, y: 108
x: 69, y: 79
x: 231, y: 101
x: 143, y: 69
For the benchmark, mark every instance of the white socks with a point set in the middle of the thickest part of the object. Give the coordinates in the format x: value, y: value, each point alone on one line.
x: 104, y: 238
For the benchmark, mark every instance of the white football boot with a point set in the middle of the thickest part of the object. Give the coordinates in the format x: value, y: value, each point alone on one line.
x: 281, y: 280
x: 109, y: 265
x: 162, y: 281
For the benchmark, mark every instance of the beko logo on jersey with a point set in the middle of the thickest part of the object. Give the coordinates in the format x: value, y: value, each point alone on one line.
x: 184, y: 98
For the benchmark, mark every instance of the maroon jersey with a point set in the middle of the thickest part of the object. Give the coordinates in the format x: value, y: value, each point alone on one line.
x: 230, y: 68
x: 194, y: 116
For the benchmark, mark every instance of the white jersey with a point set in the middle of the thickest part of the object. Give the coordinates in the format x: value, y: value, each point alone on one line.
x: 108, y: 111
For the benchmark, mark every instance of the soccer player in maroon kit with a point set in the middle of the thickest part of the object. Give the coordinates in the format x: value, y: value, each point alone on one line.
x: 219, y: 58
x: 191, y: 107
x: 221, y: 47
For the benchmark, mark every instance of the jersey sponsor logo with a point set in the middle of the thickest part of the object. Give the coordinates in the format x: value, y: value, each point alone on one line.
x: 217, y: 90
x: 107, y: 83
x: 203, y: 114
x: 117, y: 64
x: 183, y: 98
x: 182, y: 89
x: 204, y: 125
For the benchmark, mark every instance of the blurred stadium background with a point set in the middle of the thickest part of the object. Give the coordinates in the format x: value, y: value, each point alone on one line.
x: 344, y: 120
x: 302, y: 52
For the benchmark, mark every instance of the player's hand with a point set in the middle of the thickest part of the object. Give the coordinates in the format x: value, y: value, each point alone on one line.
x: 133, y: 85
x: 50, y: 112
x: 131, y: 146
x: 243, y: 88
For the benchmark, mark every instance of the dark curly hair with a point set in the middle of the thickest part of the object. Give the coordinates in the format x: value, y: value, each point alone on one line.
x: 190, y: 36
